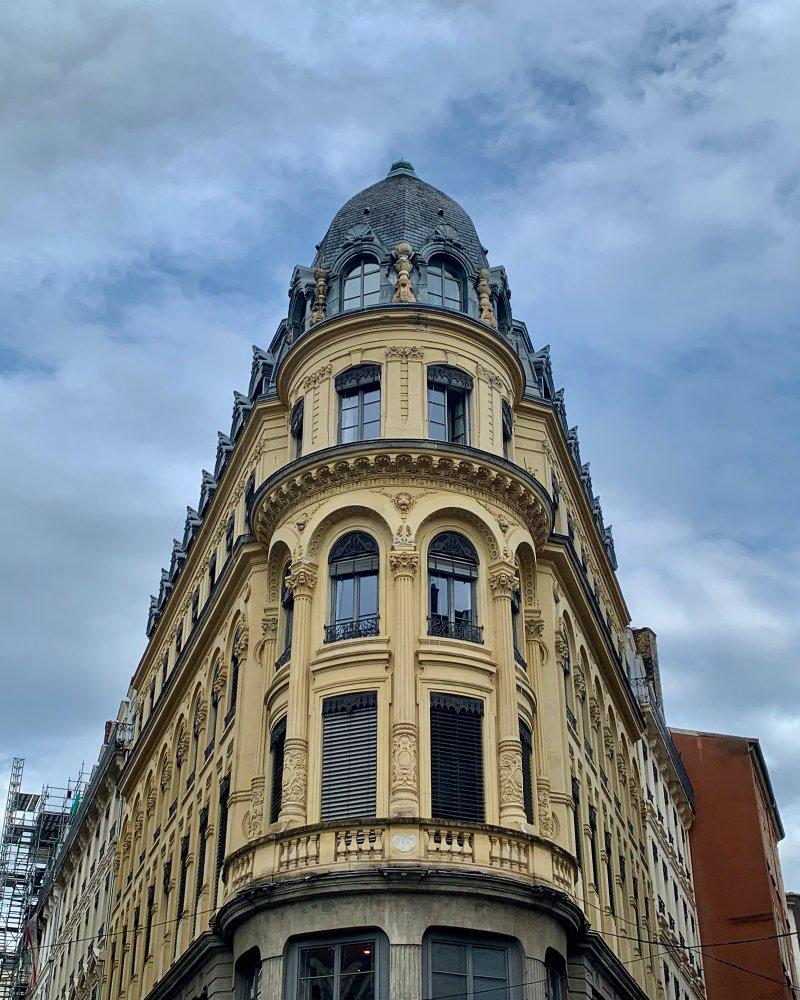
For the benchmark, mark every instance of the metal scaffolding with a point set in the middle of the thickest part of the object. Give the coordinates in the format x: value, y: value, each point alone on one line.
x: 33, y: 828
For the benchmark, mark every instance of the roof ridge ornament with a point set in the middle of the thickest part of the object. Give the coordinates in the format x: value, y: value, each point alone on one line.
x: 485, y: 298
x: 404, y: 289
x: 402, y: 168
x: 320, y: 295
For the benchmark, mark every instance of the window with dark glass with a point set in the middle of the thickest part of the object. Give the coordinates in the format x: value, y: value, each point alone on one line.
x: 508, y: 429
x: 348, y: 969
x: 195, y: 606
x: 610, y: 873
x: 359, y: 392
x: 556, y: 971
x: 249, y: 496
x: 296, y: 427
x: 467, y: 968
x: 457, y: 758
x: 362, y: 285
x: 445, y: 284
x: 353, y: 568
x: 593, y: 846
x: 249, y: 976
x: 179, y: 639
x: 452, y: 578
x: 212, y: 572
x: 349, y: 755
x: 287, y: 606
x: 164, y: 668
x: 229, y: 528
x: 448, y: 395
x: 576, y: 821
x: 222, y: 834
x: 233, y: 687
x: 526, y: 739
x: 516, y: 626
x: 277, y: 741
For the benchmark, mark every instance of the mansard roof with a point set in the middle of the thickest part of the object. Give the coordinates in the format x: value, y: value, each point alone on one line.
x: 401, y: 208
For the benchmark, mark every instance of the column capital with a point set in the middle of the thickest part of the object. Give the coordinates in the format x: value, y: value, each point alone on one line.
x: 503, y: 580
x: 404, y: 562
x: 302, y: 579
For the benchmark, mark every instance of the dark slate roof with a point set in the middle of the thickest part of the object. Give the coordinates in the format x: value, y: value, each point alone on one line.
x: 401, y: 207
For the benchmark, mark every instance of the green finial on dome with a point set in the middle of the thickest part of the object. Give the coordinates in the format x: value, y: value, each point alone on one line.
x: 402, y: 168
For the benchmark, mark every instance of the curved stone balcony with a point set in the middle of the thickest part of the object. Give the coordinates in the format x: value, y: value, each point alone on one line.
x: 402, y: 844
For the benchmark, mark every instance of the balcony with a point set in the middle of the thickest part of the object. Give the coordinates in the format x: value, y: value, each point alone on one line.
x: 352, y: 628
x: 284, y: 658
x: 442, y: 627
x: 342, y: 846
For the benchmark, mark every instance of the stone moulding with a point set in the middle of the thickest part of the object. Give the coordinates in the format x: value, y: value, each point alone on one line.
x: 464, y: 470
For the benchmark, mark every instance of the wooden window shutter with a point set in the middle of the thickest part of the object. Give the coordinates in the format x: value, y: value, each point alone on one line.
x: 526, y: 739
x: 276, y: 744
x: 349, y: 755
x: 457, y: 758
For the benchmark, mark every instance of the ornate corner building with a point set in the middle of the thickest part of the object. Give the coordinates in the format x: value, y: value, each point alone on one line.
x: 386, y: 740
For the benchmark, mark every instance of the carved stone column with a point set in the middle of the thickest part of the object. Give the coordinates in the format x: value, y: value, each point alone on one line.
x: 503, y: 583
x: 404, y: 564
x: 301, y: 581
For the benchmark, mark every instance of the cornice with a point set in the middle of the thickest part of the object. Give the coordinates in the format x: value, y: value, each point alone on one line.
x: 415, y: 459
x: 391, y: 320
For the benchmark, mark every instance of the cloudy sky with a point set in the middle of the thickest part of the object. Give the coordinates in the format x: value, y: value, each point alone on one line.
x: 636, y: 168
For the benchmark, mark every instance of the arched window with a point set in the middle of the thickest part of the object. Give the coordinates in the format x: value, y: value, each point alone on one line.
x: 555, y: 987
x: 193, y: 747
x: 445, y: 284
x: 452, y: 576
x: 526, y: 739
x: 296, y: 427
x: 213, y: 713
x: 248, y: 976
x: 448, y: 395
x: 287, y: 605
x: 359, y: 392
x: 301, y: 313
x: 508, y: 429
x: 516, y: 627
x: 277, y: 742
x: 362, y: 285
x: 353, y: 567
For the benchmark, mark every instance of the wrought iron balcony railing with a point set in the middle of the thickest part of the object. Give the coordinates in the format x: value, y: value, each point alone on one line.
x: 352, y: 628
x: 441, y: 626
x: 285, y: 656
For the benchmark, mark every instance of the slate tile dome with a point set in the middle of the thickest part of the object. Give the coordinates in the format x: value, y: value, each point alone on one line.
x: 401, y: 207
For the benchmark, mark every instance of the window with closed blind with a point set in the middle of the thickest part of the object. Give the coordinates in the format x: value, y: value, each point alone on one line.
x: 349, y: 755
x: 526, y: 739
x: 457, y: 757
x: 277, y: 741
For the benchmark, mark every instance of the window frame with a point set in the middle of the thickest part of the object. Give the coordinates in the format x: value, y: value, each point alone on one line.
x: 356, y: 382
x: 296, y: 427
x: 457, y: 386
x: 357, y: 264
x: 440, y: 703
x: 471, y: 939
x: 287, y: 618
x: 356, y: 625
x: 463, y: 569
x: 447, y: 267
x: 368, y: 934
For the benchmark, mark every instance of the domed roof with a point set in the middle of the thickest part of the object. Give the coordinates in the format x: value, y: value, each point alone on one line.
x: 401, y: 207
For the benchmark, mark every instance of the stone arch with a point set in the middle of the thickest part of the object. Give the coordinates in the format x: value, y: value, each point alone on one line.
x: 279, y: 556
x: 460, y: 515
x: 525, y: 557
x: 322, y: 530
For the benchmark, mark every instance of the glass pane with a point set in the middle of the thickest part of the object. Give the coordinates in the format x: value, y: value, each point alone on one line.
x: 490, y: 989
x: 452, y: 292
x: 349, y: 414
x: 462, y: 600
x: 447, y: 957
x: 438, y: 595
x: 371, y: 431
x: 316, y: 989
x: 372, y: 410
x: 372, y: 298
x: 489, y: 962
x: 368, y: 596
x: 358, y: 987
x: 316, y: 962
x: 372, y: 278
x: 446, y: 985
x: 344, y: 598
x: 358, y: 957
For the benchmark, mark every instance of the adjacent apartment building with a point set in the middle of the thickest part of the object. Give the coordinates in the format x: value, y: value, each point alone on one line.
x: 738, y: 881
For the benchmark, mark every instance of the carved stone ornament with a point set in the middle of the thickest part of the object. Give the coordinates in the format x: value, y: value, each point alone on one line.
x: 510, y: 773
x: 316, y: 378
x: 166, y: 774
x: 242, y: 638
x: 295, y: 759
x: 622, y: 769
x: 594, y: 713
x: 138, y: 822
x: 411, y: 353
x: 320, y: 295
x: 218, y: 685
x: 503, y: 581
x: 562, y: 646
x: 269, y: 626
x: 404, y: 757
x: 491, y: 377
x: 255, y: 823
x: 608, y: 741
x: 151, y: 800
x: 465, y: 476
x: 485, y: 299
x: 544, y: 808
x: 534, y: 629
x: 404, y: 562
x: 403, y: 289
x: 181, y: 745
x: 302, y: 579
x: 200, y: 716
x: 404, y: 502
x: 580, y: 683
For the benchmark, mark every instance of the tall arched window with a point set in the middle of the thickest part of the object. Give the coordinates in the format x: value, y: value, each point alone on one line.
x: 445, y: 284
x: 359, y: 390
x: 362, y: 285
x: 516, y: 628
x: 195, y: 742
x: 448, y: 395
x: 452, y: 576
x: 287, y: 606
x: 353, y: 567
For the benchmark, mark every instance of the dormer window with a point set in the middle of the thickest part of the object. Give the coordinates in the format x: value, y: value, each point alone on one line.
x: 445, y: 284
x: 448, y: 393
x: 359, y: 392
x: 362, y: 285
